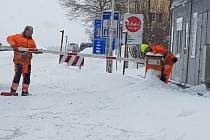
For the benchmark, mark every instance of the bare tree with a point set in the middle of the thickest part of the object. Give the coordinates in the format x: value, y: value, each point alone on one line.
x: 156, y: 19
x: 85, y: 10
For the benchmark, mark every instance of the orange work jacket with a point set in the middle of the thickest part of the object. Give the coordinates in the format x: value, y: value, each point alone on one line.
x: 159, y: 49
x: 18, y: 40
x: 168, y: 58
x: 168, y: 64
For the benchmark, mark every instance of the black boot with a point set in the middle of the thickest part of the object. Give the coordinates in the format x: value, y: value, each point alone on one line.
x: 12, y: 90
x: 25, y: 94
x: 163, y: 78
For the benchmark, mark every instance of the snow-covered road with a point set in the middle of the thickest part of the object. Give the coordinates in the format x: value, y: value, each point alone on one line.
x: 89, y: 104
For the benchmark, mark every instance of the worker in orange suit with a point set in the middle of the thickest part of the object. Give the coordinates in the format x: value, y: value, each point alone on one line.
x: 22, y: 60
x: 169, y: 58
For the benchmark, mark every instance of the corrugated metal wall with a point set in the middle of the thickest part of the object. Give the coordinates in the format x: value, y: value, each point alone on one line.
x: 190, y: 33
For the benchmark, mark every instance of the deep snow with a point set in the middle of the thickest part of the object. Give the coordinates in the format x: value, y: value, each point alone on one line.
x: 89, y: 104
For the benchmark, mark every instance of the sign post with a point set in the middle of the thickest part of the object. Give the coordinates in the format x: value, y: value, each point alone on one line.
x: 110, y: 31
x: 106, y: 28
x: 62, y: 34
x: 110, y: 62
x: 133, y: 24
x: 125, y: 63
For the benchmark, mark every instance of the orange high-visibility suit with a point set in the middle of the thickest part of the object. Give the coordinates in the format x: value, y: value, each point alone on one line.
x: 169, y: 60
x: 21, y: 60
x: 19, y: 41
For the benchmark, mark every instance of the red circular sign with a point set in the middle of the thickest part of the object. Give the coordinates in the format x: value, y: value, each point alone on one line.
x: 133, y: 24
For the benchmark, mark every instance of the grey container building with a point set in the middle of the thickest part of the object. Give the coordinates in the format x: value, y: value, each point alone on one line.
x: 190, y: 39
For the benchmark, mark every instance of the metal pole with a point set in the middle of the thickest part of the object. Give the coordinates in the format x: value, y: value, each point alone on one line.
x: 126, y: 46
x: 68, y: 46
x: 149, y: 26
x: 110, y: 62
x: 128, y: 6
x: 62, y: 34
x: 125, y: 63
x: 120, y: 39
x: 66, y: 42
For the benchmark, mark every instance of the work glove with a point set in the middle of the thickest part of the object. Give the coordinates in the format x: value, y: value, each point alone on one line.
x: 174, y: 60
x: 15, y: 47
x: 163, y: 77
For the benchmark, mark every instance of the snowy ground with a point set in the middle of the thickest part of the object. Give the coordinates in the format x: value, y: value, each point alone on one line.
x: 89, y: 104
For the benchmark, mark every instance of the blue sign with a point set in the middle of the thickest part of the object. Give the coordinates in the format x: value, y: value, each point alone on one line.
x: 106, y: 23
x: 99, y: 46
x: 99, y: 43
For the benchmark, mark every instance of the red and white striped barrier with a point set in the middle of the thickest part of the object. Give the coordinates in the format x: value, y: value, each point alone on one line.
x: 72, y: 60
x: 8, y: 48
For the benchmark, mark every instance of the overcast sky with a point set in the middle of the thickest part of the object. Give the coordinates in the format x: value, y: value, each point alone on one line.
x: 46, y: 16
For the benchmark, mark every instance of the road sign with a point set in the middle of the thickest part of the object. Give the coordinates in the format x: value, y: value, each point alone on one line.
x: 106, y: 23
x: 99, y: 43
x: 133, y: 24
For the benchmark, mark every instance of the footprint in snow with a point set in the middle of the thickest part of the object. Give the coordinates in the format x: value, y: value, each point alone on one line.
x: 185, y: 114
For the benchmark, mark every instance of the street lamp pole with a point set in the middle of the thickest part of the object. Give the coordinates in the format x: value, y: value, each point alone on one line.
x: 66, y: 42
x: 62, y: 34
